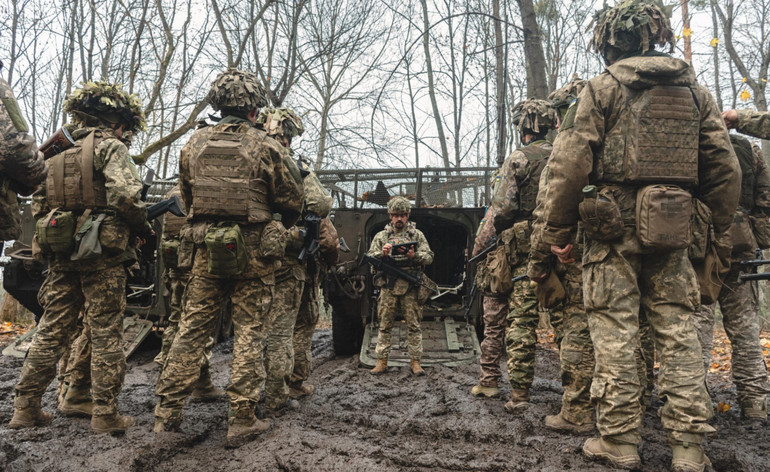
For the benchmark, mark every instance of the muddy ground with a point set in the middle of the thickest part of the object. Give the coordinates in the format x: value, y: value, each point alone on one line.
x: 354, y: 422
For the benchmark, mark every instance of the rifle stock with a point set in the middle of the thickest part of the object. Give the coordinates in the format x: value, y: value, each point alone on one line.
x: 57, y: 143
x: 172, y: 205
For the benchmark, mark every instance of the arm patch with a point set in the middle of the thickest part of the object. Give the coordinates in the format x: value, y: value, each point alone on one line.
x: 569, y: 117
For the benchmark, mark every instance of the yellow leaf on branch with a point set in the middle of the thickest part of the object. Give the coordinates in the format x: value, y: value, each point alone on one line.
x: 745, y: 95
x: 687, y: 32
x: 714, y: 42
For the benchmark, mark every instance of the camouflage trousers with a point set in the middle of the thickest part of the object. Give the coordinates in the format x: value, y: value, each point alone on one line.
x: 740, y: 316
x: 78, y: 346
x: 63, y: 296
x: 203, y: 301
x: 388, y: 306
x: 307, y: 319
x: 620, y: 281
x: 520, y: 335
x: 493, y: 345
x: 279, y: 358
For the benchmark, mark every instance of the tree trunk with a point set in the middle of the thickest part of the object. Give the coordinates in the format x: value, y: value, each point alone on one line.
x: 537, y: 84
x: 431, y: 85
x: 499, y: 83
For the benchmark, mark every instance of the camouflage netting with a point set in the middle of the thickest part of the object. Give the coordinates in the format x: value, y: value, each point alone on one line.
x: 534, y: 115
x: 564, y: 96
x: 399, y: 205
x: 632, y: 26
x: 105, y: 101
x: 281, y: 121
x: 236, y: 90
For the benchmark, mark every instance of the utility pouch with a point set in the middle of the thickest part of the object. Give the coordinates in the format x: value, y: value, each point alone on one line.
x: 87, y: 238
x: 272, y: 244
x: 600, y: 215
x: 113, y: 235
x: 56, y: 232
x: 425, y: 290
x: 499, y: 272
x: 226, y: 248
x: 760, y: 224
x: 711, y: 272
x: 169, y: 248
x: 186, y: 249
x: 701, y: 231
x: 741, y: 234
x: 663, y: 214
x: 522, y: 233
x: 550, y: 292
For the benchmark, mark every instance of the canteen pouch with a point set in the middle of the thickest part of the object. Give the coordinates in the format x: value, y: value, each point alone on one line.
x: 169, y: 248
x: 760, y: 224
x: 113, y: 235
x: 272, y: 243
x: 741, y: 234
x: 56, y: 232
x: 663, y: 214
x: 226, y: 249
x: 601, y: 216
x: 87, y: 238
x: 499, y: 271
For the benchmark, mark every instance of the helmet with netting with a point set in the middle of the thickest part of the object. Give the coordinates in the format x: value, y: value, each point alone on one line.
x: 281, y: 121
x: 100, y: 101
x: 563, y: 97
x: 630, y: 28
x: 399, y: 206
x: 534, y: 115
x: 236, y: 91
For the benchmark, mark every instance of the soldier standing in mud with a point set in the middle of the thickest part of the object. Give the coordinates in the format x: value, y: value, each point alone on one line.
x: 403, y: 296
x: 233, y: 244
x: 87, y: 210
x: 643, y: 133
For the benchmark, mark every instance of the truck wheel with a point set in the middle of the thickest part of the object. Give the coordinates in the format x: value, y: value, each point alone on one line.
x: 347, y: 332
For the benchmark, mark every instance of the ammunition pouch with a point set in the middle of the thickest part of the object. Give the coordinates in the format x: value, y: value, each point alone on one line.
x: 601, y: 216
x: 663, y: 214
x: 741, y: 234
x: 113, y: 235
x: 522, y: 233
x: 272, y: 244
x: 425, y: 291
x: 226, y: 248
x: 499, y: 271
x: 186, y: 250
x: 169, y: 249
x: 55, y: 232
x: 87, y: 237
x: 760, y: 224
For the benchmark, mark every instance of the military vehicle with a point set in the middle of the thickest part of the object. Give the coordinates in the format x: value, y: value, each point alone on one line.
x: 447, y: 206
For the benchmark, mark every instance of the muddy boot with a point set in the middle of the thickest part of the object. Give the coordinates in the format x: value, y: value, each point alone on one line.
x: 243, y: 427
x: 297, y: 391
x: 415, y: 367
x: 754, y: 413
x: 27, y: 413
x: 168, y: 425
x: 62, y: 392
x: 688, y: 453
x: 479, y: 390
x: 519, y: 400
x: 380, y: 368
x: 205, y: 391
x: 290, y: 405
x: 112, y: 424
x: 559, y: 423
x: 77, y: 402
x: 620, y: 455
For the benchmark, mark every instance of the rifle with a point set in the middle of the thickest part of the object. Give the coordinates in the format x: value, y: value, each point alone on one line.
x: 59, y: 142
x: 172, y: 205
x: 493, y: 242
x: 758, y: 261
x: 312, y: 235
x: 394, y: 273
x: 147, y: 183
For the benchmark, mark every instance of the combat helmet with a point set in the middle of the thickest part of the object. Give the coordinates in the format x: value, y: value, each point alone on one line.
x: 534, y: 115
x: 562, y: 98
x: 102, y: 101
x: 281, y: 121
x: 399, y: 206
x: 631, y: 28
x: 236, y: 92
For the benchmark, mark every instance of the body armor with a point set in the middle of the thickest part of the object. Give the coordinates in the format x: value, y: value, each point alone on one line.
x: 537, y: 156
x: 72, y: 184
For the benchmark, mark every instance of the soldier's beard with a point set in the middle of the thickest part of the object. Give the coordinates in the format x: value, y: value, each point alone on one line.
x: 400, y: 225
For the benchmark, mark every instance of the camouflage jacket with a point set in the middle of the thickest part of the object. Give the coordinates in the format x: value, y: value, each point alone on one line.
x: 423, y: 256
x: 123, y: 187
x: 581, y: 139
x: 517, y: 178
x: 22, y: 167
x: 761, y: 182
x: 754, y: 123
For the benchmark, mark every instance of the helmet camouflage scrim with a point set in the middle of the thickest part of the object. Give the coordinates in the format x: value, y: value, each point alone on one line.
x: 630, y: 28
x: 281, y: 121
x: 563, y: 97
x: 399, y: 206
x: 105, y: 101
x: 534, y: 115
x: 236, y: 91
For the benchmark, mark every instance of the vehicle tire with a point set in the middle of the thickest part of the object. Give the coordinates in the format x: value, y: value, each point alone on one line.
x: 347, y: 333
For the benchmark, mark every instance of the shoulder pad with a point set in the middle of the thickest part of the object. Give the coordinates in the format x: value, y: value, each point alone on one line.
x: 569, y: 116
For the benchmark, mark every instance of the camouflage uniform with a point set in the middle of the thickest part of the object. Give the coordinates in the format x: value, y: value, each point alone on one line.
x: 21, y: 166
x: 660, y: 284
x: 740, y: 301
x: 402, y: 298
x: 754, y: 123
x: 278, y: 191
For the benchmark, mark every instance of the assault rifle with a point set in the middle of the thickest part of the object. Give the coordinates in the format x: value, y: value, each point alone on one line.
x: 756, y: 262
x: 491, y: 245
x: 394, y: 273
x: 147, y: 183
x: 59, y: 142
x: 172, y: 205
x: 312, y: 235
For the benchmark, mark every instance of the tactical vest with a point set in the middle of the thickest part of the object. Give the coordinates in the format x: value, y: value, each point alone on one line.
x: 228, y: 183
x: 72, y: 184
x: 654, y: 140
x: 537, y: 156
x: 745, y: 154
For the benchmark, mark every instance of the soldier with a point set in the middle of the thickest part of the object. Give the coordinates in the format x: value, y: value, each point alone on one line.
x: 176, y: 280
x: 753, y: 123
x: 87, y: 211
x: 233, y: 243
x: 21, y: 166
x: 644, y: 121
x: 740, y: 301
x: 403, y: 297
x: 514, y: 202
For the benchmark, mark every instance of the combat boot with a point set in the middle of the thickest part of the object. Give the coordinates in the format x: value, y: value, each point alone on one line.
x: 415, y: 367
x: 27, y: 413
x: 297, y: 391
x: 754, y: 413
x: 290, y: 405
x: 620, y: 455
x: 479, y: 390
x: 381, y: 367
x: 688, y: 454
x: 112, y: 424
x: 171, y: 424
x: 559, y: 423
x: 519, y: 400
x: 77, y: 402
x: 243, y: 426
x: 205, y: 391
